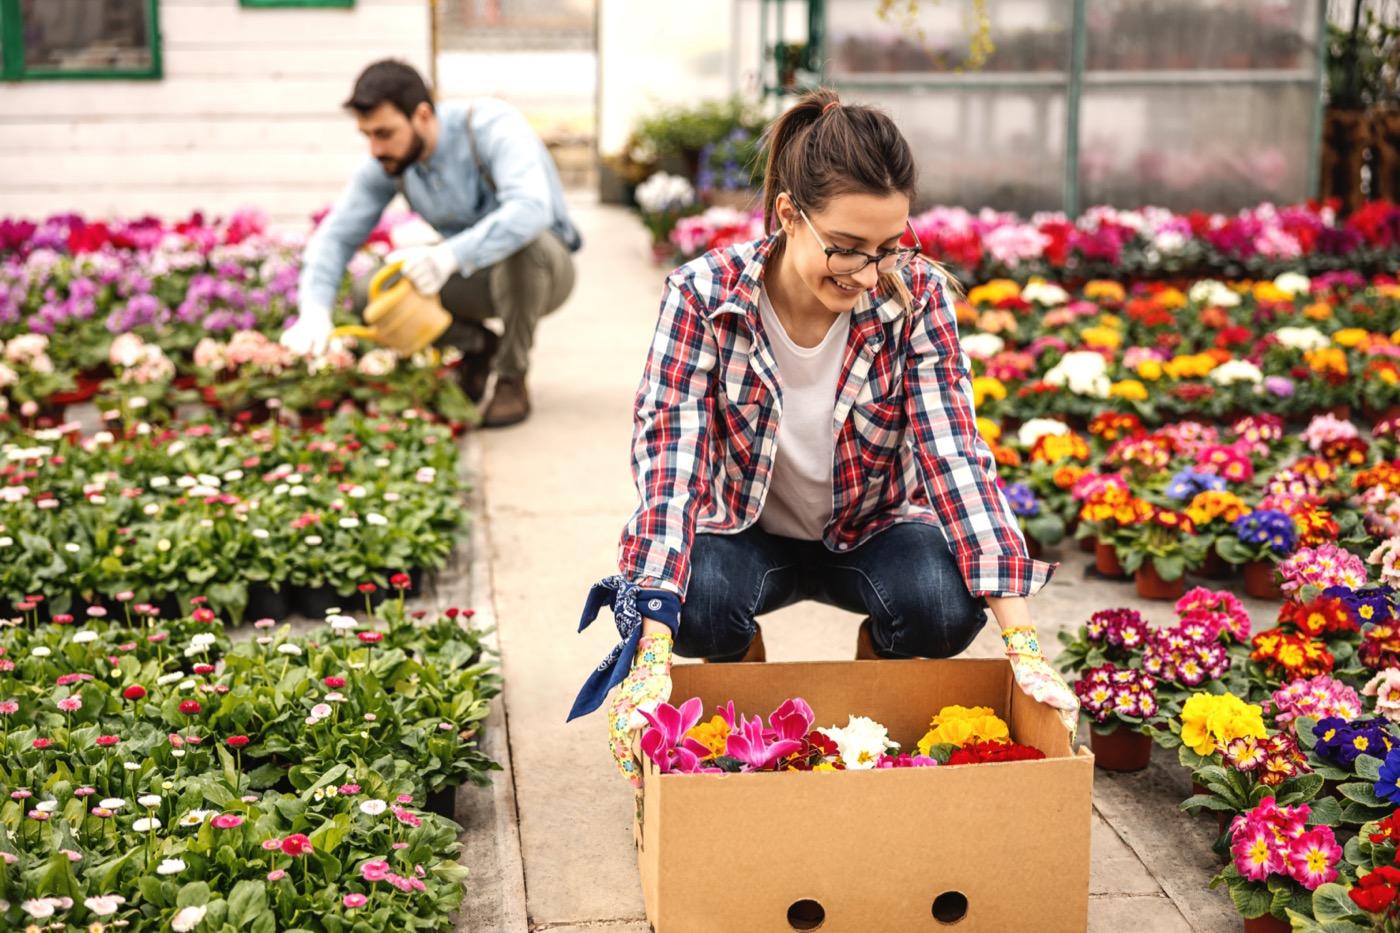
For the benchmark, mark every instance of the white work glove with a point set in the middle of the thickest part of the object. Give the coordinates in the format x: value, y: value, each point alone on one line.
x: 312, y: 331
x: 427, y: 267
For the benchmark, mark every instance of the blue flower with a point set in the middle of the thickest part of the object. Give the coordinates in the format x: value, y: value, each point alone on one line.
x: 1022, y: 500
x: 1385, y: 786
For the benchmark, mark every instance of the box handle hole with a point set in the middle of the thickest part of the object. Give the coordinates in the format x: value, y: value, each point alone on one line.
x: 806, y: 914
x: 950, y: 907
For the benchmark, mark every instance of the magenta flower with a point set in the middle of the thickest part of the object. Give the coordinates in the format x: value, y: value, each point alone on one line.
x: 227, y: 821
x: 667, y: 726
x: 277, y: 874
x: 71, y: 704
x: 374, y: 870
x: 407, y: 818
x: 752, y: 746
x: 793, y: 719
x: 352, y: 901
x: 8, y: 707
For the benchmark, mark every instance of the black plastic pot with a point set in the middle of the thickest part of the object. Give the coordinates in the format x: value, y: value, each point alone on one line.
x: 312, y: 602
x: 443, y: 802
x: 264, y: 602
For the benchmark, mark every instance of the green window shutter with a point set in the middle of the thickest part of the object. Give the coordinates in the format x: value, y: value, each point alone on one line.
x: 105, y: 39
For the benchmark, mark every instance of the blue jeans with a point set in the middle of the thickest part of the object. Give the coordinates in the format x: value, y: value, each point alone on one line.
x: 903, y: 579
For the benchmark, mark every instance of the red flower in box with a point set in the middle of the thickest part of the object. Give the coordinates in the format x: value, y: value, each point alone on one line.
x: 1292, y: 655
x: 1321, y: 616
x: 985, y: 752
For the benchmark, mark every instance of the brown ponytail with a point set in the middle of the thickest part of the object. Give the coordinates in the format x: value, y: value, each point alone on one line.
x: 821, y: 148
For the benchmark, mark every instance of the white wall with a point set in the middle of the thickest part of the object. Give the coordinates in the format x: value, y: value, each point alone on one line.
x: 648, y: 57
x: 247, y: 114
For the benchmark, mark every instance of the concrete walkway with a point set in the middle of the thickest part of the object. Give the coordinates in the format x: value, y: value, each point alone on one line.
x: 557, y: 490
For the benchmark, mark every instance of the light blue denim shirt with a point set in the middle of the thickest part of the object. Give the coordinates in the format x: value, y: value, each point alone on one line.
x: 449, y: 193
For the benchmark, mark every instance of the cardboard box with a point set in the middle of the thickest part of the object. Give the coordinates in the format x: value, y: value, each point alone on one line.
x: 989, y: 847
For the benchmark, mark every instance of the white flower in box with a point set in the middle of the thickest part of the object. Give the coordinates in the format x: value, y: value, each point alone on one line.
x: 1083, y: 372
x: 860, y: 742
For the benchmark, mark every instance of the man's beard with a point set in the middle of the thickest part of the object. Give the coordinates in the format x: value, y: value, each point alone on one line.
x: 397, y: 167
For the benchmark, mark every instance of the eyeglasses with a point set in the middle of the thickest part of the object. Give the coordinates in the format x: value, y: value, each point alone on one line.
x: 843, y: 261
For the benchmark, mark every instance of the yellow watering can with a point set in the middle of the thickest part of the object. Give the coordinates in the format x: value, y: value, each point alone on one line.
x: 397, y: 316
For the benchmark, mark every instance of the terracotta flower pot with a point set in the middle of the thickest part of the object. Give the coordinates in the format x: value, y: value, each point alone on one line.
x: 1150, y: 584
x: 1266, y: 924
x: 1215, y: 567
x: 1121, y: 750
x: 1259, y: 580
x: 1106, y: 560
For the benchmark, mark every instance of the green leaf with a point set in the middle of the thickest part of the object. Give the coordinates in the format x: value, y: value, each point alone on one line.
x: 328, y: 836
x: 1330, y: 902
x: 1361, y: 793
x: 1368, y: 767
x: 194, y: 894
x: 1251, y: 900
x: 1326, y: 811
x: 1206, y: 802
x: 1299, y: 789
x: 247, y: 900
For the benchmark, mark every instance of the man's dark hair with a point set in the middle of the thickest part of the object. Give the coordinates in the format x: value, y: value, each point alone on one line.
x: 389, y: 82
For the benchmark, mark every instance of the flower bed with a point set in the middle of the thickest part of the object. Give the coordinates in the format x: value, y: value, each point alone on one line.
x: 157, y: 775
x: 146, y: 315
x: 1105, y: 242
x: 268, y: 515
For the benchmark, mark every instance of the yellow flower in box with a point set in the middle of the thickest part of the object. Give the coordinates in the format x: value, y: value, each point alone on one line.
x: 1102, y: 337
x: 1268, y: 291
x: 711, y: 734
x: 1388, y: 291
x: 994, y: 291
x: 1318, y: 311
x: 985, y: 387
x: 1052, y: 448
x: 959, y: 725
x: 1151, y: 370
x: 1190, y: 366
x: 1104, y: 290
x: 1066, y: 476
x: 966, y: 314
x: 1351, y: 337
x: 989, y: 429
x: 1130, y: 389
x: 1111, y: 320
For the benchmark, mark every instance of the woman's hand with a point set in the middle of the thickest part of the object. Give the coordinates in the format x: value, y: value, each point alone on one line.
x: 648, y: 685
x: 1036, y: 678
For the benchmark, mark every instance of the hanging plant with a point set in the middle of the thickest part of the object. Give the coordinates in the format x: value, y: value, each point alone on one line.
x: 905, y: 15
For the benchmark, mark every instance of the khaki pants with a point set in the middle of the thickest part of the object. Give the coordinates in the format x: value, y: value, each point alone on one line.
x: 519, y: 290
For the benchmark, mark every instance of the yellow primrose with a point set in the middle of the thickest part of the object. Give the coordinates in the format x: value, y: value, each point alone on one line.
x: 1318, y: 311
x: 989, y: 429
x: 1208, y: 722
x: 1350, y: 337
x: 1130, y: 389
x: 994, y: 291
x: 1104, y: 290
x: 1151, y: 370
x: 1170, y: 298
x: 985, y: 387
x: 711, y: 734
x: 1102, y: 337
x: 1268, y: 291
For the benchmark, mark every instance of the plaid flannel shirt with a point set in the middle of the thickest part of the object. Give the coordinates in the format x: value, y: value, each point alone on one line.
x: 907, y: 446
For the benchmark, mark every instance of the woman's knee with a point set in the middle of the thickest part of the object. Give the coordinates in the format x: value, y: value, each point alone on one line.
x: 938, y: 622
x: 716, y: 618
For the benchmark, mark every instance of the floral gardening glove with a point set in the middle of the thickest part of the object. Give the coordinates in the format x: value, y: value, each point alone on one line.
x: 1037, y: 679
x: 648, y: 685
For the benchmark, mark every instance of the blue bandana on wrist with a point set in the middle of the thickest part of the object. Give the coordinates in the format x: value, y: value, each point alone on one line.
x: 628, y: 602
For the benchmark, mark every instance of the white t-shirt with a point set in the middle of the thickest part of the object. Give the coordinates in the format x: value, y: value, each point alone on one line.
x: 799, y: 498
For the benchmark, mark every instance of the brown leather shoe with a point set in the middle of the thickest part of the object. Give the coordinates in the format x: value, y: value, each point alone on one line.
x: 475, y: 368
x: 865, y: 643
x: 510, y: 403
x: 756, y: 650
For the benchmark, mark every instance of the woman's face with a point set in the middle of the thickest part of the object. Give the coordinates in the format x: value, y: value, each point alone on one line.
x: 867, y: 222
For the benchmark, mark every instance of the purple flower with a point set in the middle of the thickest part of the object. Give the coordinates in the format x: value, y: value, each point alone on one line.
x: 752, y: 747
x: 1280, y: 386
